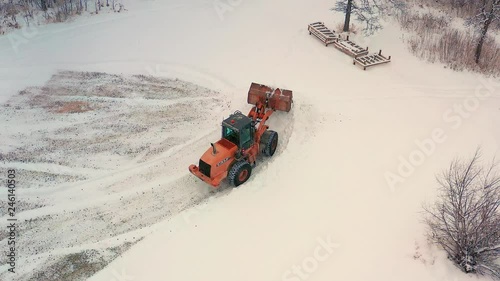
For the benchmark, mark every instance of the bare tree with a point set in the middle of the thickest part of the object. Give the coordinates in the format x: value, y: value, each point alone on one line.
x: 367, y: 12
x: 43, y: 5
x: 465, y: 221
x: 489, y: 13
x: 60, y: 10
x: 348, y: 11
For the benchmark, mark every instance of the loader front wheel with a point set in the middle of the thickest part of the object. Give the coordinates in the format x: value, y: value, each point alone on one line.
x: 239, y: 173
x: 269, y: 142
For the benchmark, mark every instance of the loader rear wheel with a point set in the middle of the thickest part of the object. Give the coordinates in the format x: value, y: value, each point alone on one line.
x: 269, y: 142
x: 239, y: 173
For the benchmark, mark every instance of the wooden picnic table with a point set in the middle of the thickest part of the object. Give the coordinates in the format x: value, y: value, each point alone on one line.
x: 350, y: 48
x: 371, y: 60
x: 324, y: 34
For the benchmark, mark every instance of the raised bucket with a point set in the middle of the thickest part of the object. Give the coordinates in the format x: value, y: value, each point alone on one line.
x: 277, y: 99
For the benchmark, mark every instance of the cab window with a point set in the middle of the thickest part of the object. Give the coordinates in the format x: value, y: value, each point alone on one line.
x: 246, y: 137
x: 230, y: 135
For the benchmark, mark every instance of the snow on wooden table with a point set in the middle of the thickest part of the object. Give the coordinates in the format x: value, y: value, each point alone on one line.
x: 350, y: 48
x: 324, y: 34
x: 371, y: 60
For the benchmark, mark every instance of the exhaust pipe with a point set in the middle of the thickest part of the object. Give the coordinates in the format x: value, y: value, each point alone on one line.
x: 214, y: 151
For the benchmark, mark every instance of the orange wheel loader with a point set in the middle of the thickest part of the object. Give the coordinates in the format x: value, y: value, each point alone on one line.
x: 244, y: 137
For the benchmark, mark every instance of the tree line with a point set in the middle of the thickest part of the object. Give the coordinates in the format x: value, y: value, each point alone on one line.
x: 479, y: 14
x: 14, y: 12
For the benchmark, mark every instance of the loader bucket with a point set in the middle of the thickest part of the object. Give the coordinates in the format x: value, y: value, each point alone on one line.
x: 276, y: 99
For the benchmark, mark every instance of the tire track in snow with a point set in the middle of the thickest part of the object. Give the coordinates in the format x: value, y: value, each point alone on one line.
x: 177, y: 189
x: 73, y: 209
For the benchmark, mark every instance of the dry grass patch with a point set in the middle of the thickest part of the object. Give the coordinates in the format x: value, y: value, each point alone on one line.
x: 72, y: 107
x: 431, y: 37
x: 352, y: 29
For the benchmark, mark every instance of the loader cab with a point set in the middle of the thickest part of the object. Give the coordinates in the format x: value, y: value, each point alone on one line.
x: 238, y: 129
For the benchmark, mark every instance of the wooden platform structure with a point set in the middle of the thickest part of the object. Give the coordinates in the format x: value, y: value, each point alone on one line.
x: 371, y: 60
x: 350, y: 48
x: 324, y: 34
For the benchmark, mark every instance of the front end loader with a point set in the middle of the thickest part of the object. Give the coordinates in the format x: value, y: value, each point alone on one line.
x: 244, y: 137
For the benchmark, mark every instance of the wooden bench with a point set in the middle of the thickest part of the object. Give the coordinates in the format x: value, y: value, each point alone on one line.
x: 324, y: 34
x: 371, y: 60
x: 350, y: 48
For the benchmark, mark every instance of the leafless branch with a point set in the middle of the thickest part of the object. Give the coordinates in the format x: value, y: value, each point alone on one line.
x: 465, y: 220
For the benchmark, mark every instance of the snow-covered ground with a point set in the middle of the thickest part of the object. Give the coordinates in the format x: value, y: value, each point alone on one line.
x: 90, y: 144
x: 340, y: 201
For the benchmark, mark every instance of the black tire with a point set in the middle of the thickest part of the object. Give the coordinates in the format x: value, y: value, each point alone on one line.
x: 269, y: 142
x: 239, y: 173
